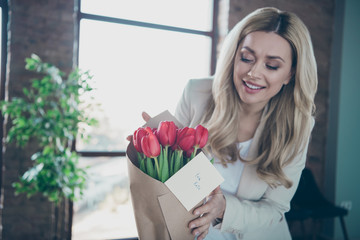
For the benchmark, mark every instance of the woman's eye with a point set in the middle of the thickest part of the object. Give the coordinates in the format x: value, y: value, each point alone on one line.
x: 272, y: 67
x: 246, y: 60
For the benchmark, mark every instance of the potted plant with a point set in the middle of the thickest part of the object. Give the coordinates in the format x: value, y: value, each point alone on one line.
x: 50, y: 114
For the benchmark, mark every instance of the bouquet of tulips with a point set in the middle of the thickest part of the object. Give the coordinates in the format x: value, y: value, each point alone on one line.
x: 155, y: 154
x: 162, y: 151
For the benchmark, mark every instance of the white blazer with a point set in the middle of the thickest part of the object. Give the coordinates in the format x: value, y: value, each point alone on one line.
x: 257, y: 210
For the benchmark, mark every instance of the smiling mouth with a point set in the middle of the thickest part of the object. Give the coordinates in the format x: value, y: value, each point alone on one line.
x: 252, y: 86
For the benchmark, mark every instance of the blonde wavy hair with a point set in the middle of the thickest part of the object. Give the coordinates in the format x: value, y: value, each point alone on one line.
x: 288, y: 118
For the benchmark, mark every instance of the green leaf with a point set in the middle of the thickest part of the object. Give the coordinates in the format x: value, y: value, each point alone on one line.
x: 35, y: 156
x: 141, y: 162
x: 172, y: 162
x: 150, y: 168
x: 30, y: 174
x: 178, y: 160
x: 160, y: 162
x: 47, y: 150
x: 49, y: 115
x: 165, y: 165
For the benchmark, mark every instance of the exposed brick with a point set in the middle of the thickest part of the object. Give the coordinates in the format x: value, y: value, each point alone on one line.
x: 44, y: 27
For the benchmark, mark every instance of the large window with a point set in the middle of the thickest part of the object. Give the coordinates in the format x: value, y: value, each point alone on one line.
x: 141, y: 54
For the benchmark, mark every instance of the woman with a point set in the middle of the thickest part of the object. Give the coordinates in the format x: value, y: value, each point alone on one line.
x: 258, y: 109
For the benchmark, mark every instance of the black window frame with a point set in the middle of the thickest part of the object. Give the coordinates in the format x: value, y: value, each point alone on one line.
x: 213, y: 34
x: 4, y: 33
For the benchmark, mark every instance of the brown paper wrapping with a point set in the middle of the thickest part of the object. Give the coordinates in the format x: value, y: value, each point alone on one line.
x: 158, y: 213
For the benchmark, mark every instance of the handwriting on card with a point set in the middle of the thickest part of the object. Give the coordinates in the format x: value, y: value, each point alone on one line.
x: 197, y: 181
x: 194, y: 181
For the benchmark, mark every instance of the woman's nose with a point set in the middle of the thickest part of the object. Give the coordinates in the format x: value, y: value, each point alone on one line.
x: 255, y: 71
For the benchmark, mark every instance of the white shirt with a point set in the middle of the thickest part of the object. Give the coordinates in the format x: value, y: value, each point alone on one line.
x: 231, y: 175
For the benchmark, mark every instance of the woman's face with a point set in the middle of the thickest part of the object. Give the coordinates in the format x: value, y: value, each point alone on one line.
x: 262, y: 66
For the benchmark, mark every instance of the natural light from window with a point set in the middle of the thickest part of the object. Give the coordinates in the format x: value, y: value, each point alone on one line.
x: 179, y: 13
x: 134, y: 69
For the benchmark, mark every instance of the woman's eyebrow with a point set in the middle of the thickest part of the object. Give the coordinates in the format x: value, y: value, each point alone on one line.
x: 276, y: 57
x: 249, y: 49
x: 270, y: 57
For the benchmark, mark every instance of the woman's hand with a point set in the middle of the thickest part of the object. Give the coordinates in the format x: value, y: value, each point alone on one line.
x: 212, y: 209
x: 146, y: 118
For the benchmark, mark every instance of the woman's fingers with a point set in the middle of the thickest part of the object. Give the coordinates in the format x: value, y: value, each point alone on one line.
x: 200, y: 221
x: 203, y: 209
x: 203, y: 235
x: 217, y: 190
x: 215, y: 201
x: 129, y: 138
x: 201, y: 232
x: 200, y: 226
x: 213, y: 208
x: 145, y: 116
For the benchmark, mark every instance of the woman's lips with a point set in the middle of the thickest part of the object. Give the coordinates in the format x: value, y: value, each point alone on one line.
x: 251, y: 87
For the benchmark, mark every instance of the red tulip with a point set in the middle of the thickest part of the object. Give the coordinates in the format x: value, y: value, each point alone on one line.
x: 138, y: 135
x: 166, y: 133
x: 201, y: 136
x: 154, y: 130
x: 189, y: 153
x: 185, y: 138
x: 150, y: 144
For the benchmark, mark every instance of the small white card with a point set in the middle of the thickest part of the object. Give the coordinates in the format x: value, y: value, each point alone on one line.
x: 195, y: 181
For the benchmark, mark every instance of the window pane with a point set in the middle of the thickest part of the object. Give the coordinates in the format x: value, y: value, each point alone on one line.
x: 180, y: 13
x: 136, y: 69
x: 105, y: 211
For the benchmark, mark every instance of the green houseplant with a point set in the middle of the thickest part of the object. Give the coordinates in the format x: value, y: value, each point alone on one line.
x: 50, y: 114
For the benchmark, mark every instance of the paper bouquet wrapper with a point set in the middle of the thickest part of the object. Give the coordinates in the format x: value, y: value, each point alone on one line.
x: 159, y: 215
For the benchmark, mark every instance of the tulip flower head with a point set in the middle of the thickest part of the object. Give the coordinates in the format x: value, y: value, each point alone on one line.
x: 185, y: 138
x: 138, y: 135
x: 166, y: 133
x: 154, y: 130
x: 189, y: 153
x: 150, y: 144
x: 201, y: 136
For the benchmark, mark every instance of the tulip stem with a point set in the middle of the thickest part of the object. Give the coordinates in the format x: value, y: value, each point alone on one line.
x: 141, y: 162
x: 193, y: 154
x: 178, y: 160
x: 164, y: 164
x: 157, y: 166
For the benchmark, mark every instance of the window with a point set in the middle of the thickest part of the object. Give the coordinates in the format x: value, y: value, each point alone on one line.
x: 141, y: 54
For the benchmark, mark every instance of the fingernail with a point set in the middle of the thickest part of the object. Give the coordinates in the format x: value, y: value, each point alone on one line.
x: 192, y: 226
x: 197, y: 213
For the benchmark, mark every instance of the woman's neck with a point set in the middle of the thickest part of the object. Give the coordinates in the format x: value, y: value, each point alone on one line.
x: 249, y: 119
x: 251, y: 111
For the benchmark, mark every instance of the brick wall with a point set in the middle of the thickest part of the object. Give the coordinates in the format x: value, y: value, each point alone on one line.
x: 44, y: 27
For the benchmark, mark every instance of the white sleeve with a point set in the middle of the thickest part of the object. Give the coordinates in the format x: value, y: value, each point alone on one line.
x: 194, y: 101
x: 182, y: 111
